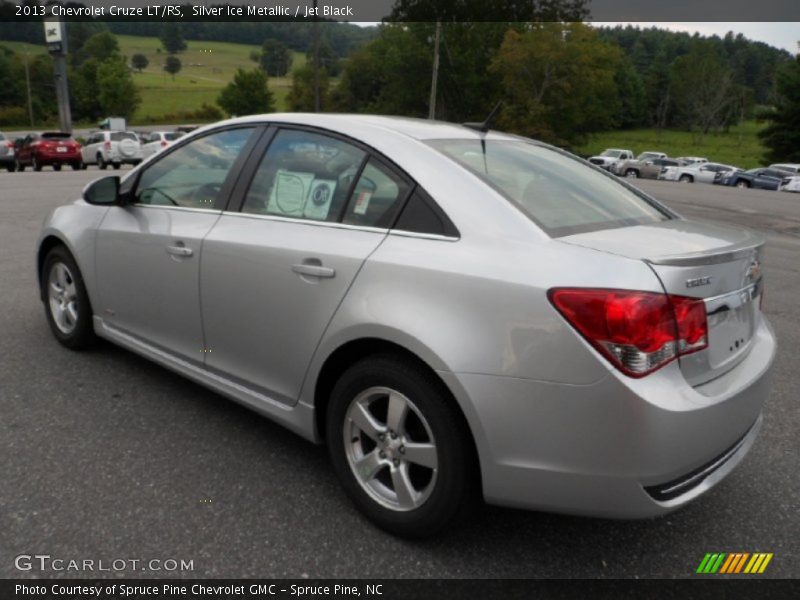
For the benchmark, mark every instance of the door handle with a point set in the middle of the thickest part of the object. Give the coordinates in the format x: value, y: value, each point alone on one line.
x: 179, y: 250
x: 313, y: 270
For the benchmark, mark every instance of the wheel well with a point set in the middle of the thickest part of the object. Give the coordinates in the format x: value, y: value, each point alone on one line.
x: 349, y: 354
x: 47, y: 244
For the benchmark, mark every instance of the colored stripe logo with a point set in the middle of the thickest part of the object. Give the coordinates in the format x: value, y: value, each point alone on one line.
x: 734, y: 563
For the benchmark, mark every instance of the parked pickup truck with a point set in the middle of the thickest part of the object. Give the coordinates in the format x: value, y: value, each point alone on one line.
x: 610, y: 157
x: 633, y: 167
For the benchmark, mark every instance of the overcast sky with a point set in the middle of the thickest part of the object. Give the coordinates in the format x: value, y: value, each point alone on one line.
x: 781, y: 35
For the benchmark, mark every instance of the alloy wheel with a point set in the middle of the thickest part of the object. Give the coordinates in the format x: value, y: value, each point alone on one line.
x: 390, y: 449
x: 62, y: 297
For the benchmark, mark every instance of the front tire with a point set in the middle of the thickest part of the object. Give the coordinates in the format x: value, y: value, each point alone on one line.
x: 686, y: 179
x: 742, y: 184
x: 66, y: 304
x: 400, y: 447
x: 632, y: 174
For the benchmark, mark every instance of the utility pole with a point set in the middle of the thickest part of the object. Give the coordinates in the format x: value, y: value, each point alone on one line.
x: 316, y: 58
x: 435, y: 75
x: 55, y: 34
x: 28, y: 86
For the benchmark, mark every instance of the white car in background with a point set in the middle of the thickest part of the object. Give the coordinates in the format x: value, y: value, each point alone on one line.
x: 611, y: 156
x: 156, y: 141
x: 696, y: 173
x: 113, y: 148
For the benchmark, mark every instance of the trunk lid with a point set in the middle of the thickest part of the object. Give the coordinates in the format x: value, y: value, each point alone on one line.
x: 721, y: 265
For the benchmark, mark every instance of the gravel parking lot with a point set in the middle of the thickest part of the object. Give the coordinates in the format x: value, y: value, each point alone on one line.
x: 107, y: 456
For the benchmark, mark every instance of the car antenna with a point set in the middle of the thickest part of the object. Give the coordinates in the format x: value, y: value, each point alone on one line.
x: 485, y: 125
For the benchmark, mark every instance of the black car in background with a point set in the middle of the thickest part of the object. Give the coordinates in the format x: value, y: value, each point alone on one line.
x: 6, y: 153
x: 762, y: 178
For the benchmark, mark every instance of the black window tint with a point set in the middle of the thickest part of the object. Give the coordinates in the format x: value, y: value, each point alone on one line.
x: 376, y: 197
x: 422, y: 215
x: 304, y: 175
x: 193, y: 175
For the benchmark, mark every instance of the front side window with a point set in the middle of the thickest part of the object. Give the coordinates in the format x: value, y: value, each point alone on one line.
x: 560, y: 193
x: 193, y: 175
x: 304, y: 175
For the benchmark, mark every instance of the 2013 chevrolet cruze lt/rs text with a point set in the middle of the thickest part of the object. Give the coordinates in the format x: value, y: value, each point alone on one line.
x: 452, y: 311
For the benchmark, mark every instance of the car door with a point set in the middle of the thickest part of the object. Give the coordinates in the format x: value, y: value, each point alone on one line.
x: 274, y: 273
x: 148, y: 251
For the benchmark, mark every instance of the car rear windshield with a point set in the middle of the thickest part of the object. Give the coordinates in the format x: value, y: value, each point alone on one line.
x: 171, y: 137
x: 118, y: 136
x: 559, y: 192
x: 56, y: 135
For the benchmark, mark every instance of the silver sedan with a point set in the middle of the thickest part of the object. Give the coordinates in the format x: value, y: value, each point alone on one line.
x: 456, y: 313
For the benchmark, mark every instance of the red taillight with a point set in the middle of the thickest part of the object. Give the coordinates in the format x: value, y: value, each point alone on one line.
x: 10, y: 144
x: 638, y: 332
x: 107, y: 145
x: 163, y: 144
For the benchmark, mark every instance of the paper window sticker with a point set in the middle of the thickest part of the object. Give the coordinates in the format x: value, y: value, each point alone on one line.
x: 289, y: 192
x: 362, y: 203
x: 320, y: 195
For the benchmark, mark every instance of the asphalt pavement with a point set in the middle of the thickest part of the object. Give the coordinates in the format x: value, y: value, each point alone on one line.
x: 105, y: 456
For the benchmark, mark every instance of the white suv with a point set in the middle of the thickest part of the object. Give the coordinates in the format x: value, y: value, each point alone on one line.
x: 155, y: 141
x: 105, y: 148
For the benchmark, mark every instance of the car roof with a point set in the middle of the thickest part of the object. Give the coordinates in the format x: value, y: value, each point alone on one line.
x: 420, y: 129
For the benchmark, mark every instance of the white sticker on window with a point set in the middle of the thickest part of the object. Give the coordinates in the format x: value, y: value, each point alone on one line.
x: 362, y: 203
x: 318, y: 203
x: 289, y: 193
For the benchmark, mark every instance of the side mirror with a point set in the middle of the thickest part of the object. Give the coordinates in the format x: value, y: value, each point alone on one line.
x: 648, y: 162
x: 103, y: 191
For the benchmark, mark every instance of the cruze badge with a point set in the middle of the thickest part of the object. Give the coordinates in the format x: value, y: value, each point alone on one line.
x: 697, y: 282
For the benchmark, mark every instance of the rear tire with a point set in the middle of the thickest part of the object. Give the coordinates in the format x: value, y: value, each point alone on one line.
x: 66, y: 302
x: 19, y: 166
x: 35, y: 165
x: 11, y: 167
x: 101, y: 162
x: 77, y: 166
x: 742, y: 184
x: 686, y: 179
x: 116, y: 166
x: 415, y: 461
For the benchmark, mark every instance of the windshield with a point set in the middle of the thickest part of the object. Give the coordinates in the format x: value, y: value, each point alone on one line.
x: 559, y: 192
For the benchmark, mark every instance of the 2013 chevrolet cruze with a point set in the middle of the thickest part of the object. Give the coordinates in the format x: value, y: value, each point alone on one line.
x: 453, y: 311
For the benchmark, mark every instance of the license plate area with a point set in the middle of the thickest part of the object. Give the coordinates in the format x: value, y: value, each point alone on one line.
x: 61, y: 149
x: 732, y: 320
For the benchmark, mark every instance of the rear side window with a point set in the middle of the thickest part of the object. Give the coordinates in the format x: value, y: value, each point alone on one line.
x: 304, y: 175
x: 171, y: 137
x: 376, y: 197
x: 422, y: 215
x: 560, y: 193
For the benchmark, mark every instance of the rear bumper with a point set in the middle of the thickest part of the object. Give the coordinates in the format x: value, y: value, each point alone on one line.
x: 58, y: 158
x: 609, y: 448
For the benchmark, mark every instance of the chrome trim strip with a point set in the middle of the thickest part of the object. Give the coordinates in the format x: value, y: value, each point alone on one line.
x: 334, y: 225
x: 181, y: 208
x: 695, y: 479
x: 424, y: 236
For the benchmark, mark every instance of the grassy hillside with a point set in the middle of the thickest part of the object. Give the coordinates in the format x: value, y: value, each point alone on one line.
x: 740, y: 146
x: 207, y: 68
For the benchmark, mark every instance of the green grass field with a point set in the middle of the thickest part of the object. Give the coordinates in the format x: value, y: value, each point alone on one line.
x: 740, y: 146
x: 206, y: 68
